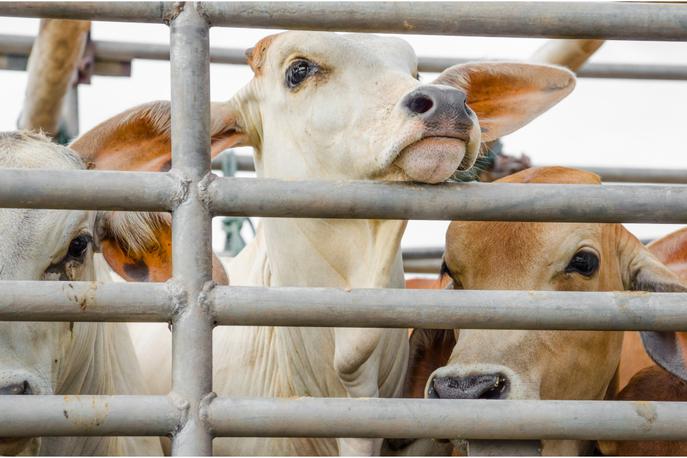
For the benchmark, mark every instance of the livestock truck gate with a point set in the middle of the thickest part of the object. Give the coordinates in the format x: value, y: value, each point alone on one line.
x: 194, y: 305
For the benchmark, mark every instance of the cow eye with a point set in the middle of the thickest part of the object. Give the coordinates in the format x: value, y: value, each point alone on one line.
x: 298, y: 71
x: 583, y: 262
x: 78, y: 246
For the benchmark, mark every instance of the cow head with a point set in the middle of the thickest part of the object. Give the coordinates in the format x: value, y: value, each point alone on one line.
x: 513, y: 364
x: 331, y: 106
x: 46, y: 358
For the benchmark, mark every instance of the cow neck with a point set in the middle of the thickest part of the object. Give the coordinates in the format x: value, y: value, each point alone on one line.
x: 98, y: 360
x: 334, y: 252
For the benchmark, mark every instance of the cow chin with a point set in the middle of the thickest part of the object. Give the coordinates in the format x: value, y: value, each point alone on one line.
x: 432, y: 159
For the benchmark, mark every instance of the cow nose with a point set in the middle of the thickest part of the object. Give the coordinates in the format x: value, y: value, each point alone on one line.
x: 16, y: 389
x: 433, y: 102
x: 482, y: 386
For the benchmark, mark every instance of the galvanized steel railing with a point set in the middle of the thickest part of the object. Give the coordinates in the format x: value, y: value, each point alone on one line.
x: 194, y: 416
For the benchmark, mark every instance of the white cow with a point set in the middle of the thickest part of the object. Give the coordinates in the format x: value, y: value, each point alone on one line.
x: 64, y: 358
x: 344, y: 107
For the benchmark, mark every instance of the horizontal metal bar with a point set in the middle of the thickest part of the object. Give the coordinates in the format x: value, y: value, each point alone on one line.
x: 639, y: 175
x: 603, y: 20
x: 423, y: 252
x: 245, y: 163
x: 422, y: 266
x: 157, y: 12
x: 84, y: 301
x: 88, y: 190
x: 604, y: 70
x: 448, y: 419
x: 113, y: 58
x: 448, y: 309
x: 452, y: 201
x: 67, y: 415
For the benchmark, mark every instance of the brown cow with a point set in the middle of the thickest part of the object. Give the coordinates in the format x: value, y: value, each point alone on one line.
x: 515, y: 364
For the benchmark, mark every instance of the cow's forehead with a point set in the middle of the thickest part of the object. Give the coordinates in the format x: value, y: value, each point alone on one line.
x: 28, y: 150
x: 334, y: 48
x: 475, y: 241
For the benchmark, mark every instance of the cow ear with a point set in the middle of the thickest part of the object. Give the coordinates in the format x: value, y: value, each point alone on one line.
x: 506, y: 96
x: 138, y: 246
x: 647, y: 273
x: 671, y: 250
x: 140, y: 138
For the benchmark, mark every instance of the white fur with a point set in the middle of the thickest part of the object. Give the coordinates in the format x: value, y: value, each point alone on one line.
x: 58, y: 358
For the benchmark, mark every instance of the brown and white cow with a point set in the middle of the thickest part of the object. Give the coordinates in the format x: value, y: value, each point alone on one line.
x: 642, y: 379
x: 512, y: 364
x: 326, y: 106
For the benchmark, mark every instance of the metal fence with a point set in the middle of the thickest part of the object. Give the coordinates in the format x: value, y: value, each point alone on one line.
x: 194, y: 416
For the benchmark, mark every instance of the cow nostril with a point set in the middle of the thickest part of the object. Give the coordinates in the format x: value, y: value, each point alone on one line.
x: 497, y: 389
x: 420, y: 104
x: 16, y: 389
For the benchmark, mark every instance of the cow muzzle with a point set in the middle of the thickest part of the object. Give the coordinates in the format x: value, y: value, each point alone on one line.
x: 481, y: 386
x: 450, y: 134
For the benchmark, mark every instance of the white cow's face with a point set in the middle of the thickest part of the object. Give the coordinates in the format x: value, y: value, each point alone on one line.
x: 38, y: 245
x: 331, y: 106
x: 351, y: 106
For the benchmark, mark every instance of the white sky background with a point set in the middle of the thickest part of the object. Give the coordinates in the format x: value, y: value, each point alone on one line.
x: 625, y: 123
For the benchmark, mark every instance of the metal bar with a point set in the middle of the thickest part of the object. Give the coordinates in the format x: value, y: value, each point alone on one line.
x: 69, y: 124
x: 84, y: 301
x: 513, y: 19
x: 88, y: 190
x: 145, y: 191
x: 113, y: 59
x: 443, y: 309
x: 191, y: 224
x: 158, y: 12
x: 640, y: 175
x: 422, y: 266
x: 453, y: 201
x: 602, y: 20
x: 423, y: 252
x: 607, y: 174
x: 448, y: 419
x: 68, y: 415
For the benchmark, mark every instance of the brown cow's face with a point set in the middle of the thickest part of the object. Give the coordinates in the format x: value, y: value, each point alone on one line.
x: 511, y: 364
x: 532, y: 364
x: 547, y: 257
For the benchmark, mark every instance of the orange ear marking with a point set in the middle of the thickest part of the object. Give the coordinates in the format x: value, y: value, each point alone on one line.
x: 140, y: 138
x: 152, y: 263
x: 256, y: 55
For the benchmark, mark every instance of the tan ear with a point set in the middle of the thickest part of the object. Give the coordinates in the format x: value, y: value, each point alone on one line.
x: 140, y: 138
x: 506, y: 96
x: 671, y: 250
x: 138, y: 246
x: 647, y: 273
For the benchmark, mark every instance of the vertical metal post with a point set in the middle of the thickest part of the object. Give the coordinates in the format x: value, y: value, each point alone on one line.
x: 69, y: 124
x: 191, y: 237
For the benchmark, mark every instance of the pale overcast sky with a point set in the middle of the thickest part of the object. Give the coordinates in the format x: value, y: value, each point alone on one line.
x: 603, y: 122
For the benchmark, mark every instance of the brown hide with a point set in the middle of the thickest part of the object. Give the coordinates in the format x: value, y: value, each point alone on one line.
x: 671, y: 250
